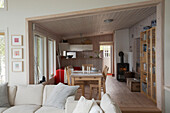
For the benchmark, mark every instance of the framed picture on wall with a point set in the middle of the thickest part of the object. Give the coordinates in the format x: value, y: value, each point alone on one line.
x: 17, y: 66
x: 17, y: 40
x: 17, y: 53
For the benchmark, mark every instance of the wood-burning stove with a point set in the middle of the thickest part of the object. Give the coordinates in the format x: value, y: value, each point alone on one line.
x: 122, y: 68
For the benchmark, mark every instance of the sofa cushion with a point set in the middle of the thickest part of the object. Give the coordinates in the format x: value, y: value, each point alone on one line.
x: 59, y: 95
x: 31, y: 94
x: 47, y: 92
x: 83, y: 105
x: 108, y: 105
x: 95, y: 108
x: 4, y: 101
x: 45, y: 109
x: 70, y: 106
x: 11, y: 94
x: 2, y: 109
x: 22, y: 109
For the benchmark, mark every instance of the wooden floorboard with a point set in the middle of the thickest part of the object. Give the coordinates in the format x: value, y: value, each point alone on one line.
x: 129, y: 102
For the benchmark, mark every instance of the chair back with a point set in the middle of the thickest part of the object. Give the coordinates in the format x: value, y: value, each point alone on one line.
x: 68, y: 72
x: 87, y: 65
x: 105, y: 71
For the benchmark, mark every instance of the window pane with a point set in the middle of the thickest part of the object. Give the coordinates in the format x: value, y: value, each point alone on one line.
x: 51, y: 58
x: 2, y: 4
x: 38, y: 59
x: 2, y: 58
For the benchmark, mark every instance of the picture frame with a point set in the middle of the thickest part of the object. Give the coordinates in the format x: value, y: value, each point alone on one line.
x: 17, y: 66
x: 17, y: 53
x: 17, y: 40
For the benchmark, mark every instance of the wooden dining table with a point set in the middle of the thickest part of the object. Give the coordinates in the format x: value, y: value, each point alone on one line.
x: 86, y: 76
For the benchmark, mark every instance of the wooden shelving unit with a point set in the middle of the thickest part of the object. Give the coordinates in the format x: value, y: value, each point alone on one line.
x: 148, y: 63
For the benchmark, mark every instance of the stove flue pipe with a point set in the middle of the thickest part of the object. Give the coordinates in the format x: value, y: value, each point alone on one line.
x: 121, y: 54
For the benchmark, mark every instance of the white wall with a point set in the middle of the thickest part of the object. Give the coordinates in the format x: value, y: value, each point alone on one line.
x: 135, y: 31
x: 167, y: 56
x: 19, y: 10
x: 167, y: 43
x: 138, y: 28
x: 121, y: 43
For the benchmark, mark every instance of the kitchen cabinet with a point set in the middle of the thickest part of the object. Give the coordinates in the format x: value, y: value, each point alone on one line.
x: 64, y: 46
x: 80, y: 47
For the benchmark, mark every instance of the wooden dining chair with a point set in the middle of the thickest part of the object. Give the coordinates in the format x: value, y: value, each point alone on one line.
x: 80, y: 83
x: 95, y: 84
x: 87, y: 65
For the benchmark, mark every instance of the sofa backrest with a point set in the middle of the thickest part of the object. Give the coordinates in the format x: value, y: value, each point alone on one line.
x: 47, y: 92
x: 31, y: 94
x: 11, y: 94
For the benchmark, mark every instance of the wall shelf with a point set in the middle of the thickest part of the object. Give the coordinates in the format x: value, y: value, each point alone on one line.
x: 148, y: 63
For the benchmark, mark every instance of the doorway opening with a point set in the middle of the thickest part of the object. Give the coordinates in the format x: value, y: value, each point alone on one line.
x: 107, y: 56
x: 47, y: 21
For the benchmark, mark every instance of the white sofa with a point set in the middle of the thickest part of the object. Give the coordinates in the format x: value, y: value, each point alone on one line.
x: 31, y: 99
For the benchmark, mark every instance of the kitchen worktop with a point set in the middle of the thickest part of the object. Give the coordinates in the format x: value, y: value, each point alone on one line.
x: 77, y: 62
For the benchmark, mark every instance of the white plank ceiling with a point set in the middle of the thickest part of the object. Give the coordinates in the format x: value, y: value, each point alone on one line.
x: 95, y: 25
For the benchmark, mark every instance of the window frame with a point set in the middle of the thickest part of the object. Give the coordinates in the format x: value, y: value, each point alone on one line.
x: 44, y: 54
x: 5, y: 6
x: 106, y: 52
x: 53, y: 57
x: 5, y: 31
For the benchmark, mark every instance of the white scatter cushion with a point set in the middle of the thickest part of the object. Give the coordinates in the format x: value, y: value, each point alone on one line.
x: 108, y: 105
x: 4, y: 101
x: 83, y: 105
x: 47, y: 92
x: 11, y: 94
x: 31, y: 94
x: 95, y: 108
x: 59, y: 95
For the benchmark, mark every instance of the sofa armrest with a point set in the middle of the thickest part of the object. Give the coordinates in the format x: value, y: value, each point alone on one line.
x: 70, y: 104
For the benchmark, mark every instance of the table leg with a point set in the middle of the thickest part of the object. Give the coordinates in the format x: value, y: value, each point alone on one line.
x: 104, y: 86
x: 72, y: 81
x: 99, y: 88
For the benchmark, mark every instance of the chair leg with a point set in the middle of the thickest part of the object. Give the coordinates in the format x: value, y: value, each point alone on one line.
x: 91, y: 91
x: 82, y: 89
x: 104, y: 87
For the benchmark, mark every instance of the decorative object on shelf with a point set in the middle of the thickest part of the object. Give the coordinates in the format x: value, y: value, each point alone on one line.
x: 144, y: 47
x: 69, y: 56
x: 144, y: 37
x: 153, y: 23
x: 98, y: 54
x: 146, y: 28
x: 17, y: 53
x: 17, y: 40
x: 86, y: 41
x: 90, y: 56
x: 17, y: 66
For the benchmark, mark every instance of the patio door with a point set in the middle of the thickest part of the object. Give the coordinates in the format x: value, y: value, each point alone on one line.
x: 107, y: 56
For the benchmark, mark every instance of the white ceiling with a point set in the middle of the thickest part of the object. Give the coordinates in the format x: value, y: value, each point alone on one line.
x: 94, y: 24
